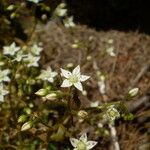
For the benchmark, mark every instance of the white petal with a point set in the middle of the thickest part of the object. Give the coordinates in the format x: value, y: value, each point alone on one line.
x: 84, y: 78
x: 78, y: 85
x: 90, y: 144
x: 7, y: 79
x: 83, y: 138
x: 4, y: 92
x: 50, y: 80
x: 74, y: 142
x: 66, y: 83
x: 102, y: 87
x: 76, y: 70
x: 65, y: 73
x: 1, y: 98
x: 49, y: 69
x: 53, y: 74
x: 6, y: 71
x: 75, y: 149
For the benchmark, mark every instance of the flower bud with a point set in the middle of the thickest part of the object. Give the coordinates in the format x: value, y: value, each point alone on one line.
x: 44, y: 17
x: 41, y: 92
x: 10, y: 7
x: 133, y: 92
x: 13, y: 15
x: 27, y: 125
x: 51, y: 96
x: 82, y: 114
x: 110, y: 41
x: 22, y: 118
x: 75, y: 45
x: 27, y: 110
x: 89, y: 58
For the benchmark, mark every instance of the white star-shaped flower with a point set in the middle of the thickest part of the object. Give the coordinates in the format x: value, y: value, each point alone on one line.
x: 3, y: 92
x: 48, y: 75
x: 110, y: 51
x: 36, y: 50
x: 19, y: 56
x: 74, y: 78
x: 11, y: 50
x: 4, y: 75
x: 60, y: 11
x: 69, y: 22
x: 82, y: 143
x: 111, y: 113
x: 34, y: 1
x: 32, y: 61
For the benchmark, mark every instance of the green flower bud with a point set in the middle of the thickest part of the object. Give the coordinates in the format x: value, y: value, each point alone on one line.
x: 82, y: 114
x: 27, y: 125
x: 133, y: 92
x: 51, y: 96
x: 27, y: 110
x: 10, y: 7
x: 13, y: 15
x: 41, y: 92
x: 22, y: 118
x: 44, y: 17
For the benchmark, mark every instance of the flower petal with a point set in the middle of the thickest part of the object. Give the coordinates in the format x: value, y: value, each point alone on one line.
x: 78, y: 85
x: 6, y: 71
x: 74, y: 142
x: 66, y: 83
x: 76, y: 70
x: 83, y: 137
x: 50, y: 80
x: 90, y: 144
x: 1, y: 98
x: 84, y: 78
x: 53, y: 74
x: 65, y: 73
x: 49, y: 69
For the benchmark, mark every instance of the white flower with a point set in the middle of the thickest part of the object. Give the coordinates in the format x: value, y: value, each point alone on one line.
x: 32, y: 61
x: 3, y: 75
x: 111, y: 113
x: 34, y: 1
x: 10, y: 50
x: 48, y: 75
x: 20, y: 56
x: 60, y: 10
x: 110, y: 51
x: 35, y: 49
x: 74, y: 78
x: 3, y: 92
x: 133, y: 92
x: 82, y: 143
x: 69, y: 22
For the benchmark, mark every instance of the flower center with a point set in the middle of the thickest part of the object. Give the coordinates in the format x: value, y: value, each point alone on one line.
x: 81, y: 146
x: 73, y: 79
